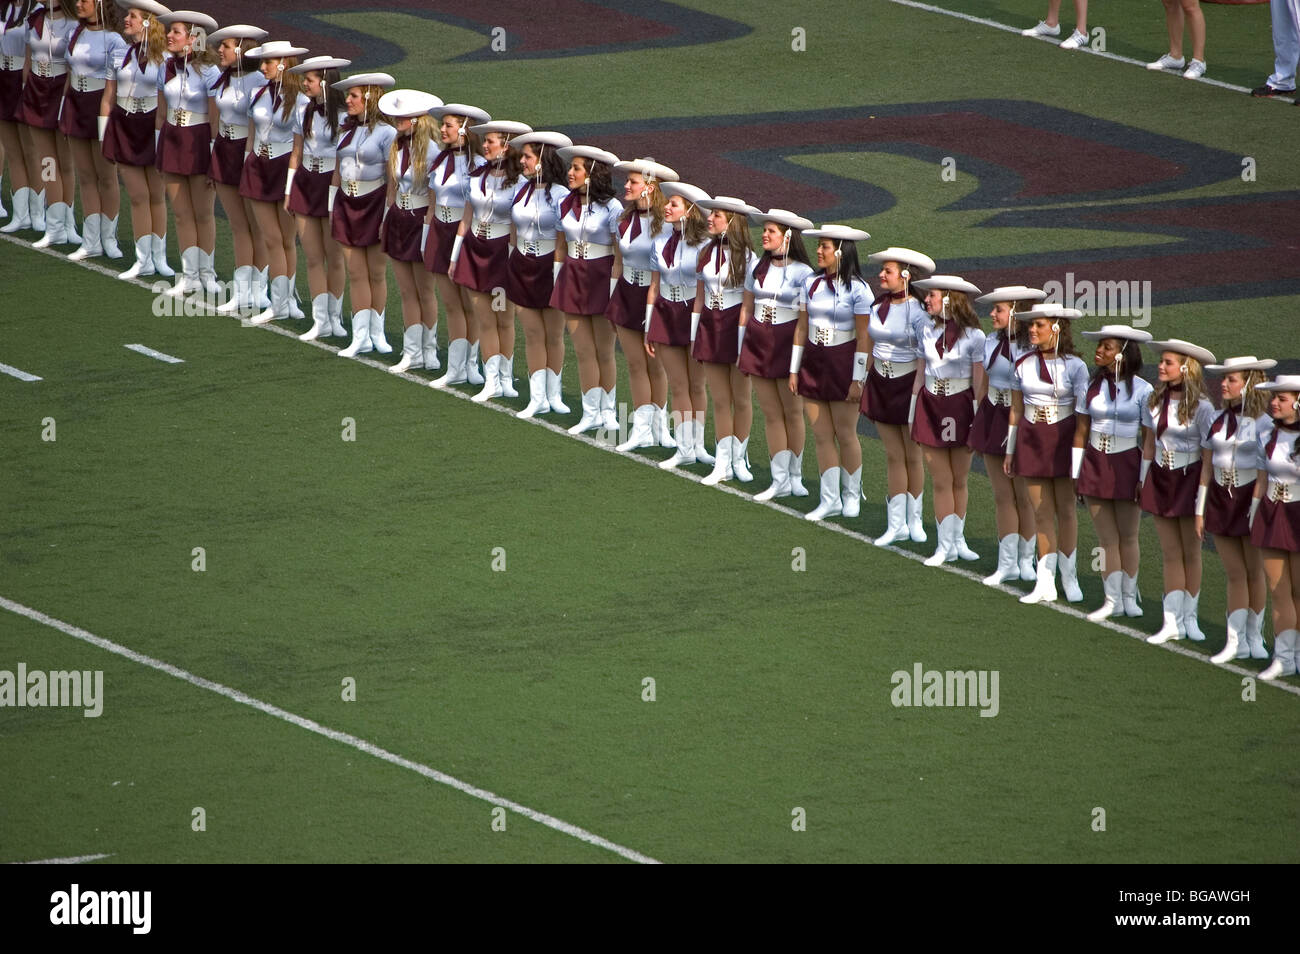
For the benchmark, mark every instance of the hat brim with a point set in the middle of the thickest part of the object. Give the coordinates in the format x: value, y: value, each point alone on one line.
x: 503, y: 127
x: 1254, y: 364
x: 946, y: 283
x: 265, y: 52
x: 543, y: 138
x: 320, y: 63
x: 648, y: 168
x: 838, y: 233
x: 475, y: 115
x: 593, y: 153
x: 781, y: 217
x: 407, y: 103
x: 240, y: 31
x: 1283, y: 382
x: 1069, y: 314
x: 726, y: 203
x: 1202, y: 355
x: 201, y: 20
x: 1118, y: 331
x: 382, y: 80
x: 904, y: 256
x: 1010, y: 293
x: 148, y: 6
x: 692, y: 194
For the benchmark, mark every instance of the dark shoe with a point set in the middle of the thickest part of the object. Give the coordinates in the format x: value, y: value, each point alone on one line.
x: 1267, y: 90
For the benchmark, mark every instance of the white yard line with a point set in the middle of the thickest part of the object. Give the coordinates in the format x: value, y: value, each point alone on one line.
x: 15, y: 373
x: 150, y: 353
x: 79, y: 860
x: 1006, y: 27
x: 361, y: 745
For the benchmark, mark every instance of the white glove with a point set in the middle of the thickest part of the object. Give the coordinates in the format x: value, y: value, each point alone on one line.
x: 102, y: 122
x: 288, y: 181
x: 1142, y: 471
x: 555, y: 272
x: 1011, y: 440
x: 911, y: 411
x: 334, y: 191
x: 1254, y: 505
x: 455, y: 253
x: 859, y: 366
x: 695, y: 325
x: 1076, y: 462
x: 796, y: 358
x: 740, y: 337
x: 424, y: 235
x: 649, y: 310
x: 1201, y: 491
x: 157, y: 134
x: 613, y: 283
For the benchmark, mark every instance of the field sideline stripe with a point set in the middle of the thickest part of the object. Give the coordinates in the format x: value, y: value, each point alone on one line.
x: 334, y: 735
x: 79, y: 860
x: 150, y: 353
x: 970, y: 18
x: 1059, y: 607
x: 15, y: 373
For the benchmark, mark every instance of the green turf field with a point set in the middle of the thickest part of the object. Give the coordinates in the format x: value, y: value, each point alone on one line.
x: 499, y: 591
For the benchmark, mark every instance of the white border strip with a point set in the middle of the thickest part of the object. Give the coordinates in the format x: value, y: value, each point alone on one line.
x: 333, y: 735
x: 79, y: 860
x: 150, y: 353
x: 15, y: 373
x: 930, y: 8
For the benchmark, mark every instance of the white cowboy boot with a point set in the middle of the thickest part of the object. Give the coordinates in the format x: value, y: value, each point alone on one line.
x: 740, y: 460
x: 608, y: 410
x: 702, y: 456
x: 429, y: 343
x: 377, y: 338
x: 1066, y: 565
x: 1008, y: 565
x: 685, y: 453
x: 295, y: 310
x: 56, y: 230
x: 457, y: 359
x: 590, y: 412
x: 537, y: 403
x: 336, y: 317
x: 361, y: 322
x: 143, y: 260
x: 36, y: 208
x: 241, y: 292
x: 554, y: 393
x: 320, y: 317
x: 896, y: 515
x: 1128, y: 591
x: 1191, y: 604
x: 412, y: 349
x: 642, y: 434
x: 795, y: 462
x: 1112, y: 605
x: 1172, y: 627
x: 663, y: 433
x: 188, y: 279
x: 108, y: 236
x: 851, y: 498
x: 1284, y: 655
x: 491, y: 380
x: 279, y: 302
x: 1044, y: 590
x: 261, y: 282
x: 22, y: 217
x: 1236, y: 636
x: 159, y: 251
x: 722, y: 469
x: 945, y: 550
x: 1255, y: 647
x: 506, y: 376
x: 472, y: 373
x: 780, y: 486
x: 963, y: 551
x: 1028, y: 550
x: 915, y: 508
x: 829, y: 504
x: 90, y: 244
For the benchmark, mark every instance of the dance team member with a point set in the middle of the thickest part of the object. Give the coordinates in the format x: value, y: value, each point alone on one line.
x: 49, y: 158
x: 892, y: 386
x: 950, y: 346
x: 29, y: 204
x: 1230, y: 461
x: 449, y: 183
x: 774, y: 290
x: 316, y: 121
x: 830, y: 373
x: 670, y: 304
x: 1106, y: 469
x: 534, y: 214
x: 1176, y: 415
x: 1275, y: 523
x: 1049, y: 382
x: 356, y: 203
x: 231, y: 96
x: 129, y: 134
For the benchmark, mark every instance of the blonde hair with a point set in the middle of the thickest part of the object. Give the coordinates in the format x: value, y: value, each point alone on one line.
x: 423, y: 131
x: 1254, y: 402
x: 1193, y: 390
x: 290, y: 85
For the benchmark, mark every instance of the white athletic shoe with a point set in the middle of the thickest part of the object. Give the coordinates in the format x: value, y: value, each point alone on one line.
x: 1168, y: 62
x: 1195, y: 70
x: 1075, y: 41
x: 1042, y: 30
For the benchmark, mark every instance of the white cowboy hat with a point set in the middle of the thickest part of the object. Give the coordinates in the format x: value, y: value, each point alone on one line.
x: 648, y: 168
x: 505, y: 127
x: 1048, y: 309
x: 913, y: 261
x: 1247, y: 363
x: 1010, y: 293
x: 275, y: 50
x: 148, y: 6
x: 240, y: 31
x: 692, y: 194
x: 407, y: 103
x: 1119, y: 331
x: 192, y: 17
x: 781, y: 217
x: 471, y: 113
x: 588, y: 152
x: 837, y: 233
x: 726, y: 203
x: 382, y: 80
x: 542, y: 138
x: 1178, y: 346
x: 946, y: 283
x: 321, y: 63
x: 1283, y: 382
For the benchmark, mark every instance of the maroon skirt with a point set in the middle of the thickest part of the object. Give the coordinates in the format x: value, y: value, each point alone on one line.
x: 357, y: 219
x: 1228, y: 515
x: 943, y: 420
x: 403, y: 229
x: 1171, y: 493
x: 42, y: 96
x: 184, y: 150
x: 670, y: 323
x: 79, y: 118
x: 626, y: 306
x: 128, y: 138
x: 766, y: 351
x: 437, y: 251
x: 1109, y: 476
x: 886, y: 400
x: 528, y: 279
x: 1277, y: 526
x: 583, y: 286
x: 263, y: 179
x: 715, y: 340
x: 483, y: 264
x: 310, y: 194
x: 826, y: 372
x: 11, y: 96
x: 227, y: 165
x: 1043, y: 450
x: 988, y: 432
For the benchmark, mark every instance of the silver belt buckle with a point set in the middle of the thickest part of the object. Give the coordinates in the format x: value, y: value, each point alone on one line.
x: 766, y: 314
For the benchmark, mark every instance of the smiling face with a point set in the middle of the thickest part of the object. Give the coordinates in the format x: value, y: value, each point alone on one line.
x: 891, y: 277
x: 271, y: 67
x: 718, y: 222
x: 577, y: 174
x: 1041, y: 335
x: 637, y: 190
x: 934, y: 302
x: 674, y: 210
x: 228, y: 52
x: 86, y: 10
x: 133, y: 24
x: 773, y: 238
x: 1001, y: 315
x: 826, y: 258
x: 355, y: 102
x: 313, y: 84
x: 178, y: 38
x: 403, y: 125
x: 1233, y: 383
x: 529, y: 160
x: 1170, y: 369
x: 1282, y: 406
x: 494, y: 146
x: 1107, y: 348
x: 449, y: 130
